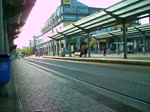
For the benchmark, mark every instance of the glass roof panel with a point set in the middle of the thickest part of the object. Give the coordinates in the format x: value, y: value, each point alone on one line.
x: 144, y: 25
x: 89, y: 18
x: 115, y: 31
x: 59, y: 37
x: 67, y: 28
x: 146, y: 29
x: 73, y: 32
x: 135, y: 12
x: 132, y: 31
x: 97, y: 20
x: 120, y: 5
x: 142, y: 28
x: 138, y: 5
x: 99, y: 24
x: 119, y: 33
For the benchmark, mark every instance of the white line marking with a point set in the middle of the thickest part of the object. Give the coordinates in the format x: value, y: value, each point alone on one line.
x: 79, y: 70
x: 108, y: 90
x: 54, y: 65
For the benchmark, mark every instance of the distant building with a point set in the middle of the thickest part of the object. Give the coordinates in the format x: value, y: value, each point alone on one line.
x: 35, y: 41
x: 24, y: 47
x: 31, y: 43
x: 69, y: 11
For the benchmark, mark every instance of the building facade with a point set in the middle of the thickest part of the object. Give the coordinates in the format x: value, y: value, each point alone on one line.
x: 68, y: 12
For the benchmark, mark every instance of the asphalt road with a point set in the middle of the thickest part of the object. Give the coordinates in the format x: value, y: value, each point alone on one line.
x: 129, y: 85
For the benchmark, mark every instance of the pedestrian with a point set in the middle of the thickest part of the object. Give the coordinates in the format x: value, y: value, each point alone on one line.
x: 81, y: 53
x: 85, y: 52
x: 104, y: 51
x: 46, y: 53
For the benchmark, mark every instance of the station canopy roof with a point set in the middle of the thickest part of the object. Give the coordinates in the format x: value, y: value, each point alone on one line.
x: 140, y: 30
x: 122, y: 12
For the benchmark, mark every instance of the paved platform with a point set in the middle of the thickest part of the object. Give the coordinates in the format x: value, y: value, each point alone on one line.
x: 49, y: 93
x: 41, y: 90
x: 8, y: 97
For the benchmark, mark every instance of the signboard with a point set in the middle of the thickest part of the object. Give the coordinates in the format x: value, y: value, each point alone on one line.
x: 102, y: 40
x: 66, y: 23
x: 66, y: 2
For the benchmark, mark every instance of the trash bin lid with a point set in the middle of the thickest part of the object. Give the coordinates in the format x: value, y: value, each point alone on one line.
x: 4, y: 56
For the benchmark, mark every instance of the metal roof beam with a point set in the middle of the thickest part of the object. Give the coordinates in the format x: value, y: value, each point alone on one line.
x: 62, y: 34
x: 81, y: 28
x: 140, y: 31
x: 113, y: 34
x: 114, y: 16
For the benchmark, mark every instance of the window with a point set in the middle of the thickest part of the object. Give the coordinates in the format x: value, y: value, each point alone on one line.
x: 69, y: 9
x: 82, y: 11
x: 70, y: 17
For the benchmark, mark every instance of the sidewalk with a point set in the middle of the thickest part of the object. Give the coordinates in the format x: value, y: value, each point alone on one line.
x: 133, y: 59
x: 8, y: 97
x: 41, y: 90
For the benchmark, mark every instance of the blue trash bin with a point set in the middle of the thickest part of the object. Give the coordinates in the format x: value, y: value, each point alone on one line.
x: 5, y: 68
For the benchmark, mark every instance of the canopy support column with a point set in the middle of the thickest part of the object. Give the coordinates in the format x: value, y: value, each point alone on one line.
x: 144, y: 44
x: 143, y: 41
x: 53, y: 47
x: 117, y: 47
x: 124, y: 40
x: 69, y: 47
x: 98, y: 47
x: 57, y: 48
x: 89, y: 48
x: 88, y: 37
x: 61, y: 47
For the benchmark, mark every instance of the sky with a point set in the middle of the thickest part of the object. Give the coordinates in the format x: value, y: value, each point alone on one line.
x: 42, y: 11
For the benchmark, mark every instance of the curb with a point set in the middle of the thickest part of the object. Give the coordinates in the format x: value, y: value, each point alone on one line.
x: 112, y: 61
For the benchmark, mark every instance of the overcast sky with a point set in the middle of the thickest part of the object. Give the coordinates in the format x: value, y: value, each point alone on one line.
x: 42, y: 11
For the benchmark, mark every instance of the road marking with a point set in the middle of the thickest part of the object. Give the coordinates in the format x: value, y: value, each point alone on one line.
x: 79, y: 70
x: 54, y: 65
